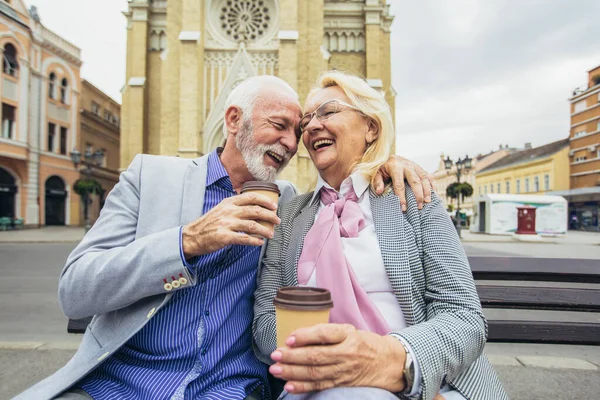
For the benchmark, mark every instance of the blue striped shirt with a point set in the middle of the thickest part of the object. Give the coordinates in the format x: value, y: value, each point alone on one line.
x: 199, y: 346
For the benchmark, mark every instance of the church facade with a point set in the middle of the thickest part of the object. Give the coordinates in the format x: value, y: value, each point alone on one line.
x: 184, y: 57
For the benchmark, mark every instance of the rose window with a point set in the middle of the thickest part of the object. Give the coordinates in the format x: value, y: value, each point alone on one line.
x: 244, y: 19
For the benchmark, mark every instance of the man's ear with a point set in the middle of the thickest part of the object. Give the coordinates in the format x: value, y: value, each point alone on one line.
x: 372, y: 131
x: 233, y: 119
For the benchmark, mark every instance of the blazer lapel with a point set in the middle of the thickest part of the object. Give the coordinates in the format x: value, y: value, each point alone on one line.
x: 300, y: 227
x: 194, y: 187
x: 389, y: 227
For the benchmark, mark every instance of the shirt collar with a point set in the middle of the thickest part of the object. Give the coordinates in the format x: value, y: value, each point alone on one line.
x: 216, y: 170
x: 356, y: 180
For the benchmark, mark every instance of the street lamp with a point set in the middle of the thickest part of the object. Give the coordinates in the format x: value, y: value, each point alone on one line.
x: 462, y: 165
x: 89, y: 160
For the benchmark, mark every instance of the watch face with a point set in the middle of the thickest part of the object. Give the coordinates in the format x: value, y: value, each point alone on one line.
x: 409, y: 371
x: 410, y: 376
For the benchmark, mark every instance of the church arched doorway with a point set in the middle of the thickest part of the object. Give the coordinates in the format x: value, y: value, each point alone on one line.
x: 8, y: 193
x: 55, y: 201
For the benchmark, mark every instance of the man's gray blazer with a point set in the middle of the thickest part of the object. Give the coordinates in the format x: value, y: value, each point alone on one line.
x: 431, y: 278
x: 117, y: 272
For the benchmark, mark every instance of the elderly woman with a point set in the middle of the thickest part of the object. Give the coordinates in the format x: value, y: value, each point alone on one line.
x: 406, y: 319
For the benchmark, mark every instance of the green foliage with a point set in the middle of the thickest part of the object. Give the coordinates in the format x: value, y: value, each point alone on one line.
x: 454, y: 189
x: 87, y: 186
x: 450, y: 207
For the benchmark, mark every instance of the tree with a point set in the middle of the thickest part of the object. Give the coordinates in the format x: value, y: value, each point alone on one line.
x: 454, y: 189
x: 87, y: 186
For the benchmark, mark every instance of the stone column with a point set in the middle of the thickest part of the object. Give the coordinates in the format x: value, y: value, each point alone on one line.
x: 373, y: 38
x: 32, y: 208
x: 134, y: 96
x: 169, y: 100
x: 190, y: 77
x: 24, y: 99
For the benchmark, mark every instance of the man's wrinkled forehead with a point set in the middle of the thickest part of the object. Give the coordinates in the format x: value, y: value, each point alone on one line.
x: 274, y: 101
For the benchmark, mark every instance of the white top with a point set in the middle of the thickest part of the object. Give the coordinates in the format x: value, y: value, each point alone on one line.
x: 365, y: 254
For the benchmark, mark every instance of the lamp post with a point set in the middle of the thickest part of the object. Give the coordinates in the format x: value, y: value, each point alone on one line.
x: 462, y: 166
x: 89, y: 160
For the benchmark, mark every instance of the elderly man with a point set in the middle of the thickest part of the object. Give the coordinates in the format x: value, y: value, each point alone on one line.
x: 169, y: 269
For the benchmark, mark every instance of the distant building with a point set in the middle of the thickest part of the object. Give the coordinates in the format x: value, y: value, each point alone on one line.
x: 444, y: 178
x: 100, y: 119
x: 584, y: 155
x: 47, y: 111
x: 532, y: 170
x: 40, y: 89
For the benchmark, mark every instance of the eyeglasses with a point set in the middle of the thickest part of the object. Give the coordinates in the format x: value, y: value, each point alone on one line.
x: 326, y: 111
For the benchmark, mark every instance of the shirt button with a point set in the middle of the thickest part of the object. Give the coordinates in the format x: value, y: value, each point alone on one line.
x: 207, y: 313
x: 203, y: 352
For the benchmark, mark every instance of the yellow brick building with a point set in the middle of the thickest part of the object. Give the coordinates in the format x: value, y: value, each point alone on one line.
x: 538, y: 170
x: 184, y: 57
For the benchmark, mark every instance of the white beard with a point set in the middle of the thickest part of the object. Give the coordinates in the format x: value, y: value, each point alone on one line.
x: 253, y: 153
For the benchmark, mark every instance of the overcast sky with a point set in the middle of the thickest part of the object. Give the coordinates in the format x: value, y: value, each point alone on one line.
x: 470, y: 74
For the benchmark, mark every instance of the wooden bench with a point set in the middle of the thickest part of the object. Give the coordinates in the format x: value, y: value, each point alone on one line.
x: 545, y: 300
x: 526, y: 292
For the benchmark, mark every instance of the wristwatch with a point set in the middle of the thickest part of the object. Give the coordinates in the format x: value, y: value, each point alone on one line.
x: 409, y: 371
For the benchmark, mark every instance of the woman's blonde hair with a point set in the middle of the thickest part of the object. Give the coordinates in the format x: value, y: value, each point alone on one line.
x: 372, y: 104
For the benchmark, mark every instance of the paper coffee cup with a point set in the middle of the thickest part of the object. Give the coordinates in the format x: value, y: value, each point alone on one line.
x: 271, y: 190
x: 300, y: 307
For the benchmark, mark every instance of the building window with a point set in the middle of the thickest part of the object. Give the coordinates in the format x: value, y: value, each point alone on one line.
x: 580, y: 106
x: 536, y: 184
x: 63, y: 140
x: 526, y: 185
x: 498, y: 188
x: 8, y: 121
x: 10, y: 65
x: 598, y: 126
x: 518, y: 186
x: 52, y: 85
x: 103, y: 165
x: 546, y: 182
x: 492, y: 188
x: 580, y: 133
x: 479, y: 188
x: 485, y: 189
x: 580, y: 158
x: 51, y: 134
x: 507, y: 187
x: 89, y: 148
x: 64, y: 88
x: 95, y: 108
x: 107, y: 115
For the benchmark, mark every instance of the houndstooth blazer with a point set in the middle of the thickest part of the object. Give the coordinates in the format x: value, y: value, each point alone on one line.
x: 430, y: 275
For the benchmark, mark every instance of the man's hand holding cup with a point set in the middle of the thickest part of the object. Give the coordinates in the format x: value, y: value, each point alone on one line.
x: 243, y: 219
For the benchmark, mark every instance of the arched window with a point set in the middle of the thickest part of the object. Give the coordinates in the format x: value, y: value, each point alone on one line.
x: 10, y: 65
x: 64, y: 86
x: 52, y: 85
